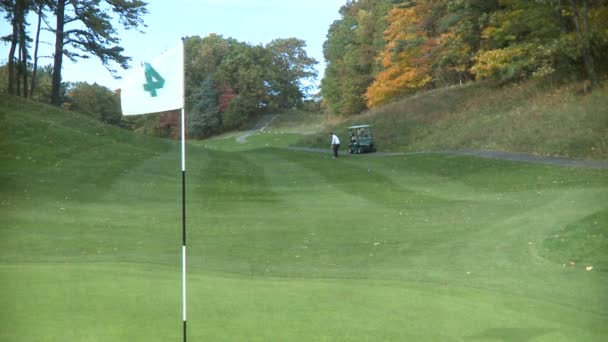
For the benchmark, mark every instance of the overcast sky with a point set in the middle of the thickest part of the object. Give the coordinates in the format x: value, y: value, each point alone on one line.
x: 252, y: 21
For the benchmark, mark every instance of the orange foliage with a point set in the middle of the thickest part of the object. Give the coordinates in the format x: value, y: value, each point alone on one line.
x: 406, y: 63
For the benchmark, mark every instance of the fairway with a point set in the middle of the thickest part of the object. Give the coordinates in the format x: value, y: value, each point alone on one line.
x: 292, y: 246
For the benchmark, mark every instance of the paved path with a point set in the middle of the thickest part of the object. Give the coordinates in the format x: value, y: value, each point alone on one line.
x: 515, y: 156
x: 264, y: 121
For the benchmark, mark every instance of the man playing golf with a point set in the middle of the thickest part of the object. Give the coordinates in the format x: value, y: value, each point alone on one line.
x: 335, y: 143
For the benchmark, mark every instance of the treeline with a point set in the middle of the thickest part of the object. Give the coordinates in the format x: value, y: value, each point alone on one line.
x: 381, y: 50
x: 229, y: 82
x: 81, y: 28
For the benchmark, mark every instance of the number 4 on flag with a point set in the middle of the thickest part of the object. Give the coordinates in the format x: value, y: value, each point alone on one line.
x: 154, y: 80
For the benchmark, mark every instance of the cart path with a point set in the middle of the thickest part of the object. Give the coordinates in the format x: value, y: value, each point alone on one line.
x: 260, y: 126
x: 513, y: 156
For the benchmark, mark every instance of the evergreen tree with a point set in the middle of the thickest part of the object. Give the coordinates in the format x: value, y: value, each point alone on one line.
x: 204, y: 116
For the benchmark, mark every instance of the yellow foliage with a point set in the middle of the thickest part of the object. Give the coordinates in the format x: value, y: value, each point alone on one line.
x: 490, y: 62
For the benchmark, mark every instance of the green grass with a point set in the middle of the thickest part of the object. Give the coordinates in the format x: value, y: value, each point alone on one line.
x: 286, y: 245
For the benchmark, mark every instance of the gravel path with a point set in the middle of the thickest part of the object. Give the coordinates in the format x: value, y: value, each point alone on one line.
x: 514, y: 156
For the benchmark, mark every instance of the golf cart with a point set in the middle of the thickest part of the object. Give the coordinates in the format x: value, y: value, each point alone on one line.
x: 361, y: 140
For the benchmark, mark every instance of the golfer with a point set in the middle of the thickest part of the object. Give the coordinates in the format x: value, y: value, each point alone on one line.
x: 335, y: 143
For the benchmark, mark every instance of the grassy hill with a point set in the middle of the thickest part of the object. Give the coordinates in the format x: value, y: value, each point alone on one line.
x: 287, y: 245
x: 562, y: 121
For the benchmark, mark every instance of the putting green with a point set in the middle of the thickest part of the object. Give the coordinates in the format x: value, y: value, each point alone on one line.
x: 295, y: 246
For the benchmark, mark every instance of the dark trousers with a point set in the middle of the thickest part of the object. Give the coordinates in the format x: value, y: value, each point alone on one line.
x: 335, y: 148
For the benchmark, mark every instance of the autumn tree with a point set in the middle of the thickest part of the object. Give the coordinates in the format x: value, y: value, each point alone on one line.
x: 350, y: 51
x: 203, y: 56
x: 406, y: 59
x: 535, y: 39
x: 244, y: 70
x: 457, y: 28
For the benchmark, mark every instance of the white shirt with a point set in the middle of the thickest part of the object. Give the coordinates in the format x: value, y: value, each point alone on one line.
x: 335, y: 140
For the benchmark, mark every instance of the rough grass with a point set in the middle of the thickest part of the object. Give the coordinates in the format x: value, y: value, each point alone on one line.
x: 562, y: 121
x: 297, y: 121
x: 288, y: 245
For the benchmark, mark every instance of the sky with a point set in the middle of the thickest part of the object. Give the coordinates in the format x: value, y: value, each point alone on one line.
x: 251, y: 21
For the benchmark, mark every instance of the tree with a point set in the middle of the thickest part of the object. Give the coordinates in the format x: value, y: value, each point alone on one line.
x: 352, y: 45
x: 580, y: 16
x: 290, y: 67
x: 537, y: 39
x: 406, y: 59
x: 203, y: 58
x: 86, y: 27
x: 96, y: 101
x: 457, y: 26
x: 204, y: 116
x: 39, y: 6
x: 16, y: 12
x: 244, y: 70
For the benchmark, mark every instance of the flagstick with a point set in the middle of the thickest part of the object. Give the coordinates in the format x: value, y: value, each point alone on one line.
x: 183, y: 131
x: 183, y: 222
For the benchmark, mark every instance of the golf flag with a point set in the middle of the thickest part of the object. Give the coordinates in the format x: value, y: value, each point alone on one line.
x: 156, y: 85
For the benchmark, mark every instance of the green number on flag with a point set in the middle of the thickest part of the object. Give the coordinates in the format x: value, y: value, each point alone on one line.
x: 154, y: 80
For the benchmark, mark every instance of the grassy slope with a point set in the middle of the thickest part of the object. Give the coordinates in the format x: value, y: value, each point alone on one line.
x: 286, y: 245
x: 562, y: 121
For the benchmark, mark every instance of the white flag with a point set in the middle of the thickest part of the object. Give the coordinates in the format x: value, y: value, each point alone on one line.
x: 156, y: 85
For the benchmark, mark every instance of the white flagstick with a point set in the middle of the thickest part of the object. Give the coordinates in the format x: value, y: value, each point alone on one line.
x: 184, y: 223
x: 183, y: 131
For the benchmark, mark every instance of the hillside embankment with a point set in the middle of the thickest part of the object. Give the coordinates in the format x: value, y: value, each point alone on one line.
x: 567, y: 121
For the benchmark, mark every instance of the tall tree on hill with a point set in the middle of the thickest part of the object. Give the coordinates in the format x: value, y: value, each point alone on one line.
x: 584, y: 33
x: 203, y: 57
x: 457, y: 27
x: 407, y: 57
x: 244, y: 70
x: 16, y: 12
x: 352, y: 45
x: 537, y: 39
x: 204, y: 117
x: 86, y: 27
x: 39, y: 6
x: 289, y: 67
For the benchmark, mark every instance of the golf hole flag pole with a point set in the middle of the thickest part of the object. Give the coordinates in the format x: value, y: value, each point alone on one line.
x: 156, y: 86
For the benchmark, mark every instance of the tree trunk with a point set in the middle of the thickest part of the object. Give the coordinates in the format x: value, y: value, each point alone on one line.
x: 583, y: 34
x: 11, y: 55
x: 58, y: 56
x: 23, y: 54
x: 18, y: 72
x: 36, y: 43
x: 589, y: 60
